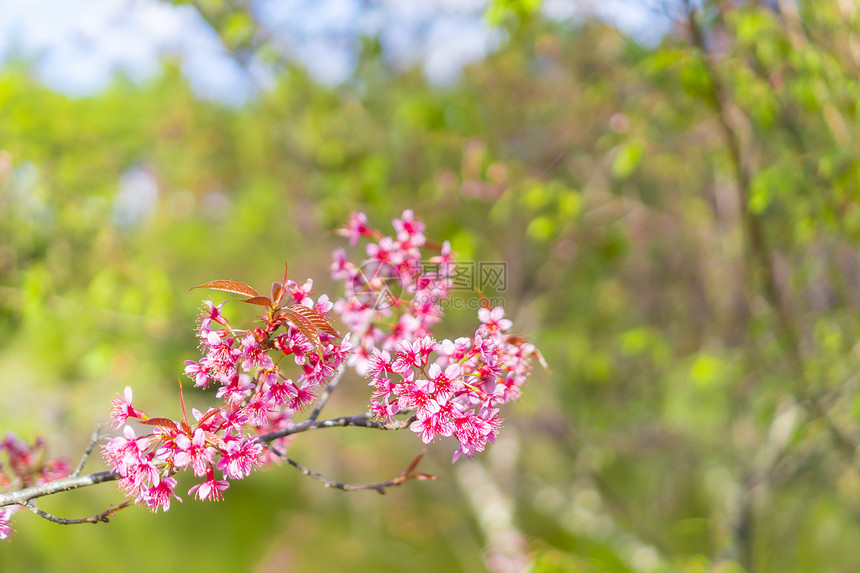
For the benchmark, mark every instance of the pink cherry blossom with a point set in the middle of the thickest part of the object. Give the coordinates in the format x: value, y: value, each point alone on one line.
x: 158, y: 496
x: 355, y: 228
x: 495, y: 319
x: 240, y: 457
x: 431, y: 425
x: 409, y: 229
x: 126, y: 451
x: 210, y: 489
x: 6, y: 529
x: 122, y: 410
x: 253, y: 356
x: 194, y: 452
x: 197, y: 372
x: 210, y: 314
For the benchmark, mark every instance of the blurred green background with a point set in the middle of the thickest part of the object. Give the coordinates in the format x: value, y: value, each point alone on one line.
x: 679, y: 221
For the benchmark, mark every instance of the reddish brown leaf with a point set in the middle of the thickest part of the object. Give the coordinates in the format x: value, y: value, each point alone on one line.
x: 277, y: 292
x: 306, y: 327
x: 432, y: 246
x: 161, y: 423
x: 519, y: 341
x: 215, y: 440
x: 208, y: 415
x: 414, y: 463
x: 230, y: 286
x: 258, y: 300
x: 279, y: 289
x: 316, y: 318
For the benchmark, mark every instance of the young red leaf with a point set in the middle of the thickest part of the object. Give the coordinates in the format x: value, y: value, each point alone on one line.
x: 519, y: 341
x: 216, y: 440
x: 277, y: 292
x: 414, y: 463
x: 280, y: 289
x: 230, y: 286
x: 258, y: 300
x: 306, y: 327
x: 161, y: 423
x: 208, y: 415
x: 316, y: 318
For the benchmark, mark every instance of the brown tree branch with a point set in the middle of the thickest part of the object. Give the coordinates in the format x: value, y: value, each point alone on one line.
x: 380, y: 487
x: 93, y: 441
x: 362, y: 421
x: 102, y: 517
x: 22, y: 496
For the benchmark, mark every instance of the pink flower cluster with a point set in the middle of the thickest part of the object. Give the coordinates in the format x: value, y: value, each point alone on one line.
x: 458, y: 392
x: 454, y: 387
x: 393, y: 299
x: 26, y: 465
x: 393, y: 295
x: 256, y: 398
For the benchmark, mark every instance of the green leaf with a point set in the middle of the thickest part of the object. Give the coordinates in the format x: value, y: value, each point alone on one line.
x: 541, y: 228
x: 627, y: 160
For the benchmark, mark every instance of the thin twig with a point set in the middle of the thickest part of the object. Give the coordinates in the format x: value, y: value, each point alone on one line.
x: 102, y: 517
x: 93, y: 441
x: 380, y: 487
x: 327, y: 394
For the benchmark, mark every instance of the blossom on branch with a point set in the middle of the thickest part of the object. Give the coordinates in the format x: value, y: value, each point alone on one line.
x: 268, y: 374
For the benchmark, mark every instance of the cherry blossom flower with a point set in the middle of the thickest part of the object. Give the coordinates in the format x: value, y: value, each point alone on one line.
x: 280, y: 392
x: 158, y: 496
x: 409, y: 229
x: 210, y: 314
x: 495, y: 319
x: 193, y: 452
x: 355, y: 228
x: 253, y: 356
x: 126, y: 451
x: 210, y: 489
x: 303, y: 396
x: 431, y: 425
x: 6, y: 529
x: 197, y: 372
x: 301, y: 293
x: 241, y: 456
x: 122, y: 410
x: 379, y: 363
x: 221, y: 358
x: 236, y: 390
x: 385, y: 251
